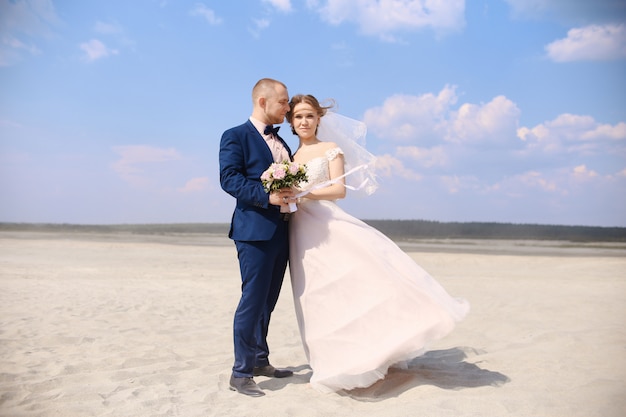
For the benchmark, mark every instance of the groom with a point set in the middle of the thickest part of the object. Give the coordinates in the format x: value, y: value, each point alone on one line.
x: 259, y: 229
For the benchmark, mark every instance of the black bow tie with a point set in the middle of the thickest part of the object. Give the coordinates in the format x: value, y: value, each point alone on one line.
x: 270, y: 130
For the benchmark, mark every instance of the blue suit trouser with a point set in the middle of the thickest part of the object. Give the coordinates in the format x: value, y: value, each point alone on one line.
x: 262, y: 265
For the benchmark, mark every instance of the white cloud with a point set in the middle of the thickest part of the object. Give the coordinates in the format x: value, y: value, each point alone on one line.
x: 590, y: 43
x: 259, y: 26
x: 405, y: 118
x: 431, y: 118
x: 568, y: 131
x: 208, y: 14
x: 11, y: 50
x: 494, y: 122
x: 195, y: 185
x: 435, y: 156
x: 530, y: 179
x: 95, y: 49
x: 557, y: 187
x: 133, y: 159
x: 581, y: 171
x: 18, y: 44
x: 454, y: 183
x: 389, y: 166
x: 383, y: 18
x: 582, y: 177
x: 605, y: 131
x: 115, y: 32
x: 558, y: 162
x: 282, y: 5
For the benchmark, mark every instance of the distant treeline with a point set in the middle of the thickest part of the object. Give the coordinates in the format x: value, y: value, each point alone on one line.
x: 146, y: 229
x: 423, y: 229
x: 395, y: 229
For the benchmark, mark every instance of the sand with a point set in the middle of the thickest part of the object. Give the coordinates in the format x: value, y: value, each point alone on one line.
x: 125, y: 325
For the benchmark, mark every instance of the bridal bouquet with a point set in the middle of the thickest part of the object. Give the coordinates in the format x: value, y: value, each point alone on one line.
x: 284, y: 174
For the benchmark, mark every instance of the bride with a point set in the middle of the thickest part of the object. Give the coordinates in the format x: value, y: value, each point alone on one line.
x: 362, y: 304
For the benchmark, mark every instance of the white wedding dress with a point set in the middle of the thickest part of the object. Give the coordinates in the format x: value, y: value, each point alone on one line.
x: 362, y: 304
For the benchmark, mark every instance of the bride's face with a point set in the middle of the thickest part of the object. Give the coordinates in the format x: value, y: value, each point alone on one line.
x: 305, y: 120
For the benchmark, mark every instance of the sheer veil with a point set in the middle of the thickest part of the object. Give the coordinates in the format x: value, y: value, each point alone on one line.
x: 349, y: 135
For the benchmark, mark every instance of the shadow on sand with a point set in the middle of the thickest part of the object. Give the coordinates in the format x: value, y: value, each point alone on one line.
x: 443, y: 368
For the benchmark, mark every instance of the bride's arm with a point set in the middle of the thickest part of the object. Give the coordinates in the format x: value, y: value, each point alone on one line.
x: 335, y: 191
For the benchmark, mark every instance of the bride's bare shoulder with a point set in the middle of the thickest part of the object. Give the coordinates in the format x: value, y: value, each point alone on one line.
x: 328, y: 146
x: 326, y: 150
x: 331, y: 150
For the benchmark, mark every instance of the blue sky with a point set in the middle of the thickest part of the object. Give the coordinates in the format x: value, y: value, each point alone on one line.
x: 496, y: 110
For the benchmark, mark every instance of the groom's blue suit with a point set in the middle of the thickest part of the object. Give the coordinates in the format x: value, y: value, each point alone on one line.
x: 261, y: 238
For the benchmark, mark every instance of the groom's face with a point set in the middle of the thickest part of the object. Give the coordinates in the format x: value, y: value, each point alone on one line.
x: 277, y: 105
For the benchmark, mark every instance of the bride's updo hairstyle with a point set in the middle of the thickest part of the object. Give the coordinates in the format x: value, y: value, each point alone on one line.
x: 311, y: 101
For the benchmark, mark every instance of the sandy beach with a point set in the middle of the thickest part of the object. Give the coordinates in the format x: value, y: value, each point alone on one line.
x: 126, y: 325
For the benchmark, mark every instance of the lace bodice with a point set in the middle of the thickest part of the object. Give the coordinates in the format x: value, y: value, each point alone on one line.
x: 317, y: 168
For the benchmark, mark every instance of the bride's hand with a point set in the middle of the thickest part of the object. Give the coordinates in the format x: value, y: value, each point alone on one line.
x: 282, y: 197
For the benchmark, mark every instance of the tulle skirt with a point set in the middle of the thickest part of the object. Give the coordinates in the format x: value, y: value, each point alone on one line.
x: 362, y: 303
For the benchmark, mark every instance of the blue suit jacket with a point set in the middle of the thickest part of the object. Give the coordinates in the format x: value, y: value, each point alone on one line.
x: 244, y: 156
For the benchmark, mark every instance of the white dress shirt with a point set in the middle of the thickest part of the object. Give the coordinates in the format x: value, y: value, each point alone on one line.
x: 276, y: 146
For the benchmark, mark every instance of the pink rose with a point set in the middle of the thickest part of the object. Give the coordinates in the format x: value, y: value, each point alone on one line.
x: 293, y: 169
x: 279, y: 173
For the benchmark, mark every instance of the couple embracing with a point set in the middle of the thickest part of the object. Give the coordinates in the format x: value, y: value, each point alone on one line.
x: 362, y: 304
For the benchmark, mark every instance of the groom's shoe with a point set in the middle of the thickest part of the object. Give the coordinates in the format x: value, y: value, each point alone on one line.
x: 246, y: 386
x: 272, y: 372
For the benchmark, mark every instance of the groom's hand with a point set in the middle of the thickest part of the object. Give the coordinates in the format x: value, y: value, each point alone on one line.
x: 282, y: 197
